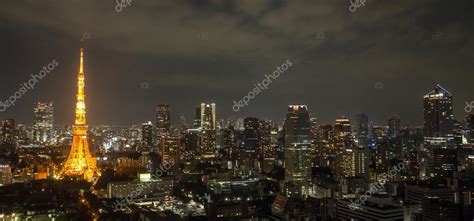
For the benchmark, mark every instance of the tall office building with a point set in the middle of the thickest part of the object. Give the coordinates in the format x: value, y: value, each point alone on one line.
x: 470, y: 128
x: 229, y: 143
x: 43, y: 122
x: 458, y: 134
x: 438, y: 117
x: 252, y: 134
x: 197, y: 118
x: 208, y: 116
x: 314, y: 126
x: 8, y: 141
x: 342, y: 133
x: 268, y: 150
x: 362, y: 127
x: 297, y: 141
x: 362, y: 158
x: 8, y: 131
x: 444, y: 162
x: 208, y: 147
x: 346, y: 161
x: 394, y: 126
x: 163, y: 118
x: 147, y: 135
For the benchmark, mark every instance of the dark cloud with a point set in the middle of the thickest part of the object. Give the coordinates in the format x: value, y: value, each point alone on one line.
x: 192, y: 51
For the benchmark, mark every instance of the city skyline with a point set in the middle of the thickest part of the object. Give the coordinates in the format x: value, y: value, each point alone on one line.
x: 218, y: 110
x: 131, y: 73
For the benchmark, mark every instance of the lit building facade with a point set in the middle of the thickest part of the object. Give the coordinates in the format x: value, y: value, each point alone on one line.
x: 208, y: 116
x: 438, y: 117
x: 394, y: 126
x: 147, y: 135
x: 362, y: 130
x: 163, y: 118
x: 297, y: 143
x: 43, y: 122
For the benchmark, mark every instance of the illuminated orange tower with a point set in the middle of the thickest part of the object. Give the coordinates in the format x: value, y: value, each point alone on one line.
x: 80, y: 162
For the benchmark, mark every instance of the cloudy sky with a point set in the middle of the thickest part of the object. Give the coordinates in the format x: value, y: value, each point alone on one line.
x: 193, y: 51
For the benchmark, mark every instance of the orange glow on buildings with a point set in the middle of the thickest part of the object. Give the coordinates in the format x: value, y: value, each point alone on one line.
x: 80, y: 162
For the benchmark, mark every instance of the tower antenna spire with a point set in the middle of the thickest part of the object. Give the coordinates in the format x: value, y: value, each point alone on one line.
x: 81, y: 62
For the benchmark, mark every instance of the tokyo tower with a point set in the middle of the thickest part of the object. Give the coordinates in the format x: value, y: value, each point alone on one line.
x: 80, y: 162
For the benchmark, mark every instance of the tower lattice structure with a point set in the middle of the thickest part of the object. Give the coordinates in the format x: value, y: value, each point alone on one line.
x: 80, y: 162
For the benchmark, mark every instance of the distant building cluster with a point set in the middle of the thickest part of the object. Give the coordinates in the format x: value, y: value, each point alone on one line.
x: 250, y: 168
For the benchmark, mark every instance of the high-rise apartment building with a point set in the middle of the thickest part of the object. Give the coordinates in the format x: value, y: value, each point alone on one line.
x: 43, y: 122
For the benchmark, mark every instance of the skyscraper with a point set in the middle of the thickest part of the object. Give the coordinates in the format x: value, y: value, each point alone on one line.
x: 342, y: 132
x: 438, y: 132
x: 208, y: 116
x: 268, y: 150
x: 43, y: 122
x: 163, y: 118
x: 470, y: 128
x: 80, y: 162
x: 197, y: 118
x: 362, y: 130
x: 394, y: 126
x: 252, y: 136
x: 208, y: 144
x: 147, y: 135
x: 297, y: 144
x: 8, y: 141
x: 438, y: 116
x: 8, y: 131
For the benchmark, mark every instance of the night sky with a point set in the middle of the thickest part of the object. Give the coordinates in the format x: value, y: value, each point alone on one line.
x: 196, y: 51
